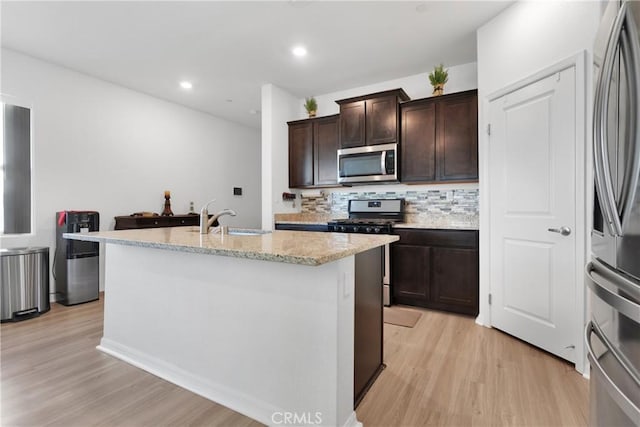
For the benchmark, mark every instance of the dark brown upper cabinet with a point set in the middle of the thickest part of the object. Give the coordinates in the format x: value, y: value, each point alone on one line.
x: 352, y: 124
x: 300, y: 154
x: 325, y: 150
x: 439, y: 139
x: 457, y: 126
x: 418, y: 141
x: 313, y: 146
x: 371, y: 119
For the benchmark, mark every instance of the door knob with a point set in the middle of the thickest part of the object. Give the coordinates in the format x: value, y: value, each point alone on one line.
x: 565, y: 231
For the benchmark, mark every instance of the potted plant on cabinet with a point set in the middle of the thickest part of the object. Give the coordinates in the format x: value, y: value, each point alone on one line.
x: 438, y: 77
x: 311, y: 106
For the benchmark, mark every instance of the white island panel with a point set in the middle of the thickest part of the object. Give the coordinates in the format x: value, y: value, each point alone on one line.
x: 262, y: 338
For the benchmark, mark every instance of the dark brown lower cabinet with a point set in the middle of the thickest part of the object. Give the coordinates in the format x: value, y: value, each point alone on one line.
x: 367, y: 352
x: 436, y: 269
x: 410, y: 273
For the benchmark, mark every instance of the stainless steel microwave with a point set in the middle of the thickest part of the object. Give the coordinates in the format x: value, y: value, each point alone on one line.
x: 373, y: 163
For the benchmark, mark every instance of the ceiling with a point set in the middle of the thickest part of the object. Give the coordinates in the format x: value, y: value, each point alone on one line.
x: 230, y: 49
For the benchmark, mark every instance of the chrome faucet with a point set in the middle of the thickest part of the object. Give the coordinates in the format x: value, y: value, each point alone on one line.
x: 222, y: 229
x: 206, y: 222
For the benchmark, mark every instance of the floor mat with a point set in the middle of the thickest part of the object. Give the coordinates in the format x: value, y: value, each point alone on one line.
x: 401, y: 316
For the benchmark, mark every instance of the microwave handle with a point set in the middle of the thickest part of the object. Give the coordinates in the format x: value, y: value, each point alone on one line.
x: 383, y: 162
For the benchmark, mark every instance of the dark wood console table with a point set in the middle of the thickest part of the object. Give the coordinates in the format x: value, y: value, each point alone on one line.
x: 130, y: 222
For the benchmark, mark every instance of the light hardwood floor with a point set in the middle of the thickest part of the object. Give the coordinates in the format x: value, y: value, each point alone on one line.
x: 446, y: 371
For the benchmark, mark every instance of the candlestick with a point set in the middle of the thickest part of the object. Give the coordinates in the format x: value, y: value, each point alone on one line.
x: 167, y: 204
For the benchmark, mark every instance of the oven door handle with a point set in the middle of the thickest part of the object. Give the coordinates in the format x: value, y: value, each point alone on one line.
x: 383, y: 163
x: 605, y: 279
x: 628, y: 407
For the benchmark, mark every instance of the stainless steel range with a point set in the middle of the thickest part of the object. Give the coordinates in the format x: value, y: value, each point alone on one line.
x: 370, y: 216
x: 375, y: 216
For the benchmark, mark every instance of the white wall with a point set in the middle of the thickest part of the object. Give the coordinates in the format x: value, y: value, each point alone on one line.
x: 524, y: 39
x: 530, y: 36
x: 278, y: 107
x: 100, y: 146
x: 461, y: 77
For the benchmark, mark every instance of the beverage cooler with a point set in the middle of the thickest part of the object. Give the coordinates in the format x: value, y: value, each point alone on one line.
x: 76, y: 263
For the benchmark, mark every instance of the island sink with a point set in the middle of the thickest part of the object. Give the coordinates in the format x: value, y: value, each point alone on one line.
x: 247, y: 232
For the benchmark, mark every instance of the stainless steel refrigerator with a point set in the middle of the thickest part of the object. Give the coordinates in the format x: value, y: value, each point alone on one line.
x: 613, y: 273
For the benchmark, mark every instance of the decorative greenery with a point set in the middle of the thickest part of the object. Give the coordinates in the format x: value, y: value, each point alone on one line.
x: 439, y: 76
x: 310, y: 104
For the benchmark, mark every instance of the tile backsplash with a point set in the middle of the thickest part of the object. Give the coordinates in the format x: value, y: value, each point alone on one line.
x: 432, y: 202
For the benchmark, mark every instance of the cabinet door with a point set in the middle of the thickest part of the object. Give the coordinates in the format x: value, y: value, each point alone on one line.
x: 301, y: 155
x: 410, y: 274
x: 454, y: 280
x: 325, y: 143
x: 457, y: 146
x: 352, y: 124
x: 418, y: 142
x: 382, y: 120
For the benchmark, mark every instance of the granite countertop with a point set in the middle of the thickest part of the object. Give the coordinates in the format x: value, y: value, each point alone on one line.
x: 440, y: 222
x: 424, y: 221
x: 306, y: 218
x: 294, y: 247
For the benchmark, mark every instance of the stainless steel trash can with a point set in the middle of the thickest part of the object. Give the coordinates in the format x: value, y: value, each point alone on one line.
x: 24, y: 283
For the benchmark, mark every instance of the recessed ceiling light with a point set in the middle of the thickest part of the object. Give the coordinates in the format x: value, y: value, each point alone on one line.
x: 421, y: 8
x: 229, y: 100
x: 186, y: 85
x: 299, y: 51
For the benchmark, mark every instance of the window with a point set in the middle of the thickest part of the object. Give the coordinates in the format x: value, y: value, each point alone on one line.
x: 15, y: 161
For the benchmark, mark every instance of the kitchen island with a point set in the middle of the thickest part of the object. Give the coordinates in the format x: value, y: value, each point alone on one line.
x: 262, y: 324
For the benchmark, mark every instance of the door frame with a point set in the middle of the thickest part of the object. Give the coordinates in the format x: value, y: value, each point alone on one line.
x: 583, y: 195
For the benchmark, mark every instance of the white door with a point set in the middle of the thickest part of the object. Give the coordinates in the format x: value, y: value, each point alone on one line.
x: 532, y: 155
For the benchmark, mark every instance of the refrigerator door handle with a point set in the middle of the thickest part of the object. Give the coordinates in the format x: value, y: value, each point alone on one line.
x: 599, y: 287
x: 630, y: 46
x: 604, y: 184
x: 627, y: 406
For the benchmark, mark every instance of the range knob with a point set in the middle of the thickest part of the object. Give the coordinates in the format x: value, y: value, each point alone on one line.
x: 354, y: 229
x: 377, y: 229
x: 342, y: 228
x: 368, y: 229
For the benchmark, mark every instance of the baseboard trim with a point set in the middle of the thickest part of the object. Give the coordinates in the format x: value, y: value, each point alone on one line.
x: 352, y: 421
x: 233, y: 399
